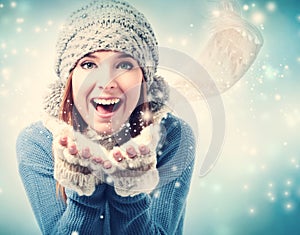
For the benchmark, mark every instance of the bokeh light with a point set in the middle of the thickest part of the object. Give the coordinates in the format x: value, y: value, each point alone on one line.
x: 254, y: 187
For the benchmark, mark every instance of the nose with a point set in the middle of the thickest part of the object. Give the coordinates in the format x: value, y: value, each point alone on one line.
x: 105, y: 79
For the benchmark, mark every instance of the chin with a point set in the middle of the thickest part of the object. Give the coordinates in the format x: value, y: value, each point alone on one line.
x: 103, y: 128
x: 106, y: 128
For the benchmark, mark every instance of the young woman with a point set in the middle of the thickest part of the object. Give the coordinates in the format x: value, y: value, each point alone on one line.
x: 108, y: 157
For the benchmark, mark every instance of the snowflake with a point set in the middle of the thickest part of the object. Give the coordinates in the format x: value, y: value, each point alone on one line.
x: 251, y: 211
x: 246, y: 7
x: 271, y: 6
x: 109, y: 180
x: 288, y: 206
x: 13, y: 4
x: 156, y: 194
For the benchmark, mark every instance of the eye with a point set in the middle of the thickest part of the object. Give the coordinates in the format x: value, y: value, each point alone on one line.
x: 88, y: 65
x: 125, y: 65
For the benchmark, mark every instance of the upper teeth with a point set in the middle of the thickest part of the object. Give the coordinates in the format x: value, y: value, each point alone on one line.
x: 107, y: 101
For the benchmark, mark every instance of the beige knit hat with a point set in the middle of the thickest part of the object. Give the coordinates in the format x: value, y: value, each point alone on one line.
x: 107, y: 25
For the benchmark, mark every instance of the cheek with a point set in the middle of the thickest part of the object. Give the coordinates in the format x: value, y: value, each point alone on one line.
x: 80, y: 93
x: 131, y: 83
x: 76, y: 83
x: 80, y: 85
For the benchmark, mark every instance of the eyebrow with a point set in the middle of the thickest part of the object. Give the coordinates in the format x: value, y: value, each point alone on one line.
x: 121, y: 56
x: 124, y: 55
x: 90, y: 55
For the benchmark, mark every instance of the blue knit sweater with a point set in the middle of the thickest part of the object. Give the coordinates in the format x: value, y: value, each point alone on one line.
x: 105, y: 212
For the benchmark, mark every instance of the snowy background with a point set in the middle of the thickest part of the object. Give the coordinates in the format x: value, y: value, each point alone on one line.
x: 254, y: 187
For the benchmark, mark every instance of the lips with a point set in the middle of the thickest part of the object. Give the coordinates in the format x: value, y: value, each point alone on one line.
x: 106, y: 106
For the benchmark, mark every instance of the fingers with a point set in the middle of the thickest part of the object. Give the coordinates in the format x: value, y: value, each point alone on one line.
x: 137, y: 157
x: 70, y: 145
x: 98, y: 160
x: 132, y: 158
x: 63, y: 141
x: 107, y: 164
x: 118, y: 156
x: 144, y: 149
x: 72, y: 149
x: 86, y: 153
x: 131, y: 152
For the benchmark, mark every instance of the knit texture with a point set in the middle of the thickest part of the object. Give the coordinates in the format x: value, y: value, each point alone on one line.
x: 131, y: 176
x: 105, y: 212
x: 107, y: 25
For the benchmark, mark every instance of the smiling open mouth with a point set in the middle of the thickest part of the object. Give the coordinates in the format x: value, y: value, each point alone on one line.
x: 105, y: 106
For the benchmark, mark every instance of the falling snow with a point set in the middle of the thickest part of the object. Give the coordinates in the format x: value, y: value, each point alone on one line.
x: 177, y: 184
x: 271, y: 6
x: 260, y: 161
x: 13, y: 4
x: 246, y: 7
x: 156, y: 194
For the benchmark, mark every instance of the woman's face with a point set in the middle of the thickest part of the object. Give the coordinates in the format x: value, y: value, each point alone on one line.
x: 106, y: 89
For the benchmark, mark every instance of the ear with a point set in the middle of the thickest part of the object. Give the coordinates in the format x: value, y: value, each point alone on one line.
x: 158, y: 93
x: 53, y: 100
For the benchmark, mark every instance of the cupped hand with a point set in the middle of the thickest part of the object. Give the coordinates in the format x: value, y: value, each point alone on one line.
x: 131, y: 167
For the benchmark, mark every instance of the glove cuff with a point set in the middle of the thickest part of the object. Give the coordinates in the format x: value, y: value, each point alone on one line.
x: 134, y: 185
x: 75, y: 177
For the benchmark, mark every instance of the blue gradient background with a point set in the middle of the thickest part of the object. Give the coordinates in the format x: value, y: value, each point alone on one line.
x: 254, y: 187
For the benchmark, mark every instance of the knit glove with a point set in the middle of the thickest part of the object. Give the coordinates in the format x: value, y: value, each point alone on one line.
x: 70, y: 168
x: 80, y: 163
x: 132, y: 166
